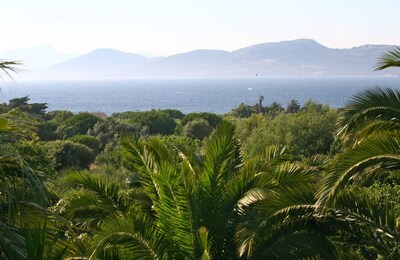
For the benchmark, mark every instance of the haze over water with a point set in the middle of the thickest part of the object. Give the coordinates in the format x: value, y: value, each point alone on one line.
x: 189, y: 95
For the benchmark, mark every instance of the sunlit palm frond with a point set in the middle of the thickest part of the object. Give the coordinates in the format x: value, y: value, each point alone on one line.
x: 100, y: 198
x: 381, y: 104
x: 222, y: 158
x: 108, y: 190
x: 389, y: 59
x: 204, y: 244
x: 173, y: 211
x: 379, y: 151
x: 366, y: 222
x: 128, y: 237
x: 257, y: 238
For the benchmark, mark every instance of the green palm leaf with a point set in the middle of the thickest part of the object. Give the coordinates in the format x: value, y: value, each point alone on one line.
x: 125, y: 237
x: 389, y: 59
x: 381, y: 104
x: 379, y: 151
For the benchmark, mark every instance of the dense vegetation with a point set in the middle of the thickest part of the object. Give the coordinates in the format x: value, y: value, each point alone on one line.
x: 261, y: 182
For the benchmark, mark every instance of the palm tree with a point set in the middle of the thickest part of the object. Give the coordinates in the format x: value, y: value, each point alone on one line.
x: 224, y: 207
x: 371, y: 122
x: 293, y: 106
x: 260, y: 100
x: 23, y: 202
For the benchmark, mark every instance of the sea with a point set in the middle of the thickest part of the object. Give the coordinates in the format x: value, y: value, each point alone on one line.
x: 217, y: 95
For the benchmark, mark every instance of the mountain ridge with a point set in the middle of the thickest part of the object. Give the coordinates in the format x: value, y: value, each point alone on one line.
x: 300, y: 57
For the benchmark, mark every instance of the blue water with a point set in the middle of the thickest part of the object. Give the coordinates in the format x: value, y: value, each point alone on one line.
x: 188, y: 95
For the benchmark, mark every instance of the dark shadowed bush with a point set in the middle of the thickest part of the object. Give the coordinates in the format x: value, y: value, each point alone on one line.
x: 65, y: 154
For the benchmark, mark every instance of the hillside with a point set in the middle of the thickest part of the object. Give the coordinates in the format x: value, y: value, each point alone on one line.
x: 303, y: 57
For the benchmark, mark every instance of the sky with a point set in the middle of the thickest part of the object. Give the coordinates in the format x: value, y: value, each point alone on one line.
x: 165, y: 27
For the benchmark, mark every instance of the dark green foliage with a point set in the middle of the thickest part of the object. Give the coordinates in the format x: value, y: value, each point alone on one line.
x: 47, y: 131
x: 197, y: 128
x: 212, y: 119
x: 87, y: 140
x: 154, y: 121
x: 67, y: 154
x: 111, y: 155
x: 173, y: 113
x: 58, y: 115
x: 274, y: 109
x: 293, y: 106
x: 243, y: 111
x: 38, y: 109
x: 108, y: 130
x: 77, y: 124
x: 34, y: 154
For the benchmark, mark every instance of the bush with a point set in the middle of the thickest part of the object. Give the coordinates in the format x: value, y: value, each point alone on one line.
x: 212, y: 119
x: 308, y: 132
x: 198, y: 128
x: 87, y: 140
x: 58, y: 115
x: 77, y: 125
x: 34, y: 154
x: 65, y: 154
x: 47, y: 131
x: 154, y: 121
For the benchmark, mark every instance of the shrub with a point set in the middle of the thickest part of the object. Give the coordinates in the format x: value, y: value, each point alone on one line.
x: 87, y: 140
x: 198, y: 128
x: 66, y: 154
x: 212, y: 119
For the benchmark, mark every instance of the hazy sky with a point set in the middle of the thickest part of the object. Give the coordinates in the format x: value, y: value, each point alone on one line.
x: 166, y: 27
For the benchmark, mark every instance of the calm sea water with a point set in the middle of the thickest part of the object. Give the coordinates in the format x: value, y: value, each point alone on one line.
x: 188, y: 95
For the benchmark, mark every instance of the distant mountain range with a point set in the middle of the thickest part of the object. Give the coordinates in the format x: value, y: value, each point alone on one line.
x: 303, y: 57
x: 37, y: 57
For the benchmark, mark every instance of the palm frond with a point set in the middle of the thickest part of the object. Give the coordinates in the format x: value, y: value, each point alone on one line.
x: 204, y: 244
x: 373, y: 104
x: 172, y: 207
x: 376, y: 152
x: 9, y: 66
x: 389, y: 59
x: 107, y: 190
x: 255, y: 237
x: 222, y: 158
x: 12, y: 243
x: 374, y: 223
x: 127, y: 237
